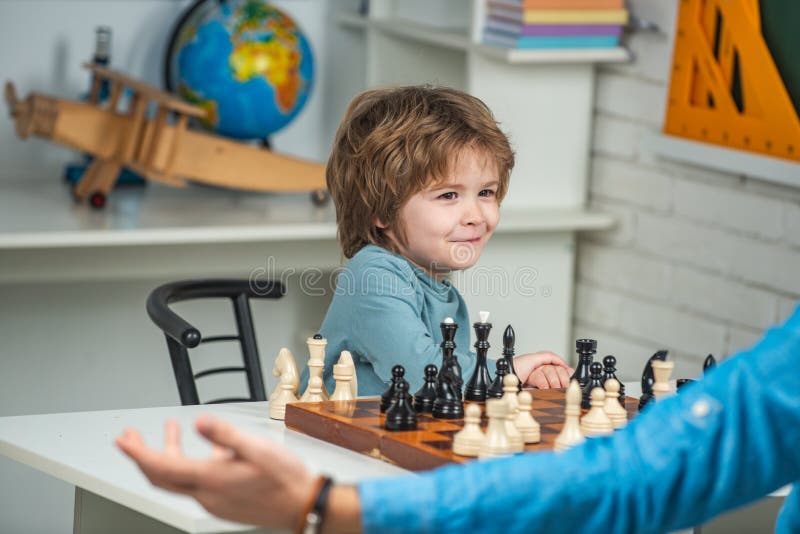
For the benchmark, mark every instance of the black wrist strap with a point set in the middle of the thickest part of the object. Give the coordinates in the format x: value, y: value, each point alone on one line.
x: 314, y: 518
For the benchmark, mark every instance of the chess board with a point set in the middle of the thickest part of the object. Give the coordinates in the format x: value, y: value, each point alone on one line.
x: 358, y: 426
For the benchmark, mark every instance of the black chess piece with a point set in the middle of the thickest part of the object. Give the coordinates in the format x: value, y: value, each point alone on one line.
x: 495, y: 390
x: 426, y: 395
x: 447, y: 404
x: 475, y: 389
x: 398, y: 372
x: 586, y: 349
x: 509, y: 340
x: 648, y: 379
x: 709, y: 362
x: 450, y: 363
x: 401, y: 414
x: 595, y: 381
x: 610, y: 371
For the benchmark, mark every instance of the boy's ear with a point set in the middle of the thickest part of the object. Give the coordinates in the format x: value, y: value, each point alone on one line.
x: 379, y: 223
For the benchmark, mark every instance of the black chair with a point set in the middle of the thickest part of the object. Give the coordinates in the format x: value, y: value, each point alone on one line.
x: 182, y: 336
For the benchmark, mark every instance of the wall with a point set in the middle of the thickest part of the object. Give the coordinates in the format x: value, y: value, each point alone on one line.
x: 701, y: 261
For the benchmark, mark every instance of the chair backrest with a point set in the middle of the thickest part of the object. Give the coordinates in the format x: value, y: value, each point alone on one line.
x: 182, y: 336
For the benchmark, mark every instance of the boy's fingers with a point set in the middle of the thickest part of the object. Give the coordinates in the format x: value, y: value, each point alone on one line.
x: 172, y: 439
x: 563, y: 376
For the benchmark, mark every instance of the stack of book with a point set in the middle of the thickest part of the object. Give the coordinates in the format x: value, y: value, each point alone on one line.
x: 555, y: 23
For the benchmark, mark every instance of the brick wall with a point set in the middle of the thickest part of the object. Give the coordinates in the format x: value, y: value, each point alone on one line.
x: 701, y: 261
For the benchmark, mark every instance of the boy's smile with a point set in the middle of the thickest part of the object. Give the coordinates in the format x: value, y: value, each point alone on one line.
x: 447, y: 224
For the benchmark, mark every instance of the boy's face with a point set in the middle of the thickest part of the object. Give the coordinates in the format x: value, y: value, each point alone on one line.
x: 447, y: 224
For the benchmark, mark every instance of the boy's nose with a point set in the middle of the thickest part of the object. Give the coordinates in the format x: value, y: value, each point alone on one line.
x: 472, y: 214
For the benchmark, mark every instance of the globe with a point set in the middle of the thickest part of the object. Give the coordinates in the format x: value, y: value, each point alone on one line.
x: 246, y: 62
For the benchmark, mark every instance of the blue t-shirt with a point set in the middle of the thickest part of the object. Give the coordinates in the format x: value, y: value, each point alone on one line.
x: 725, y: 440
x: 386, y: 311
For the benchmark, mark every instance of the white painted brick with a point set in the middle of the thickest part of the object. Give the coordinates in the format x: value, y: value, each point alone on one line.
x: 730, y: 208
x: 661, y: 12
x: 723, y: 299
x: 597, y: 306
x: 695, y: 173
x: 623, y: 180
x: 624, y: 229
x: 773, y: 266
x: 614, y: 136
x: 773, y: 190
x: 791, y: 223
x: 628, y: 271
x: 673, y: 329
x: 652, y: 57
x: 786, y: 307
x: 631, y: 354
x: 632, y: 98
x: 741, y: 338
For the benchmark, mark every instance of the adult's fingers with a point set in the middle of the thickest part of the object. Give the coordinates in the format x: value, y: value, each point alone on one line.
x: 537, y: 379
x: 226, y: 435
x: 172, y: 439
x: 563, y: 377
x: 175, y: 474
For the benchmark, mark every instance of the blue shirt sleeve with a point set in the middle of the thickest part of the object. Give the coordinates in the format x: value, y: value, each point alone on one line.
x: 726, y: 440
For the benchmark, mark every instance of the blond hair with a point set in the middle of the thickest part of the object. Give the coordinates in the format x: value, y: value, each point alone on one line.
x: 393, y: 143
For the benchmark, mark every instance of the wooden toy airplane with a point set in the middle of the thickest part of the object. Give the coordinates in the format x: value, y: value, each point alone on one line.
x: 160, y: 148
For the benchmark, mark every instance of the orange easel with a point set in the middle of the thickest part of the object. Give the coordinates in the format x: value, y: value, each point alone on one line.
x: 725, y: 87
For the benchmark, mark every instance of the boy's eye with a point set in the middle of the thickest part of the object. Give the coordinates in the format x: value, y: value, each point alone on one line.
x: 450, y: 195
x: 487, y: 193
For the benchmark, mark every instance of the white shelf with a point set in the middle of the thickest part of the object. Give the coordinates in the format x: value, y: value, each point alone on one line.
x: 460, y: 40
x: 38, y: 215
x: 738, y: 162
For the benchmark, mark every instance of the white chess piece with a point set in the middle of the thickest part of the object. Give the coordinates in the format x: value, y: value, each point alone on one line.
x: 526, y: 424
x: 285, y: 364
x: 510, y: 389
x: 285, y: 395
x: 484, y: 316
x: 661, y: 373
x: 343, y: 374
x: 612, y: 407
x: 346, y: 358
x: 316, y: 365
x: 468, y: 440
x: 497, y: 443
x: 571, y: 434
x: 596, y: 422
x: 314, y: 390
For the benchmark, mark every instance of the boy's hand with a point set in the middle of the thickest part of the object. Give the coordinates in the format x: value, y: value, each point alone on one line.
x: 543, y: 370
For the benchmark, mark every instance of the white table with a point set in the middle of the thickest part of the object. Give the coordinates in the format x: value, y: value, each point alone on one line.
x: 111, y: 494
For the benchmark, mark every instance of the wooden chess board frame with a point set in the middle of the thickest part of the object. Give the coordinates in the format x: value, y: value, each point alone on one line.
x: 359, y: 426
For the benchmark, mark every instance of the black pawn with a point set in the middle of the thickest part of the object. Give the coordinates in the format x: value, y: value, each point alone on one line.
x: 450, y: 363
x: 495, y: 390
x: 424, y: 398
x: 447, y: 404
x: 475, y: 389
x: 398, y: 371
x: 509, y: 339
x: 610, y: 371
x: 648, y: 379
x: 709, y: 362
x: 586, y: 349
x: 595, y: 381
x: 401, y: 414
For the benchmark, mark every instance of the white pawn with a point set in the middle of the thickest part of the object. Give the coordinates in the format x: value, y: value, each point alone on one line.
x: 571, y: 434
x: 284, y: 395
x: 285, y: 365
x: 514, y: 435
x: 612, y: 407
x: 526, y: 424
x: 661, y: 373
x: 468, y: 440
x: 313, y: 391
x: 343, y: 374
x: 596, y: 422
x: 347, y: 359
x: 496, y: 443
x: 510, y: 382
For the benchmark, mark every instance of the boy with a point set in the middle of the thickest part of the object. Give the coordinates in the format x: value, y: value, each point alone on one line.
x: 416, y: 175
